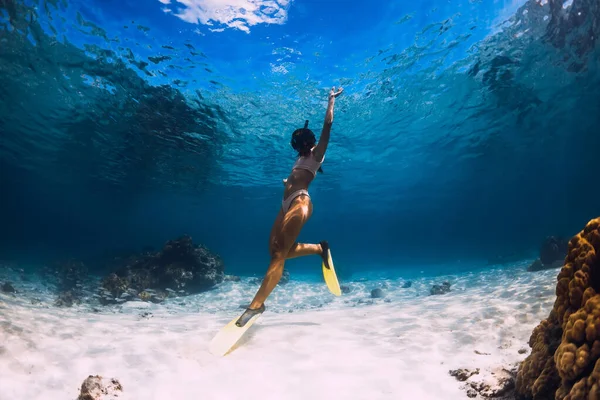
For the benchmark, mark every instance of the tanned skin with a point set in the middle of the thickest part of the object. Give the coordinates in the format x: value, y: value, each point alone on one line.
x: 287, y: 226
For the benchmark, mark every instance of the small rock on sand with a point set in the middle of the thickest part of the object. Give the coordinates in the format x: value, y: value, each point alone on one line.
x: 490, y: 383
x: 462, y: 374
x: 98, y: 388
x: 440, y: 289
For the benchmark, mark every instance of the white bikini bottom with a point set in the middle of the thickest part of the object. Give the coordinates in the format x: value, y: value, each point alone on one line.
x: 285, y: 204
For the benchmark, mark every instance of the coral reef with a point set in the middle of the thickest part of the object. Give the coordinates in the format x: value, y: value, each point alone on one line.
x: 179, y: 268
x: 564, y: 360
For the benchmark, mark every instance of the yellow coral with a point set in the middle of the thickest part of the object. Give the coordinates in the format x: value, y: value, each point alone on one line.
x: 564, y: 362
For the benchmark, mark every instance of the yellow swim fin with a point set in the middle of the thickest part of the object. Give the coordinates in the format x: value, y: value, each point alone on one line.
x: 231, y: 333
x: 329, y: 271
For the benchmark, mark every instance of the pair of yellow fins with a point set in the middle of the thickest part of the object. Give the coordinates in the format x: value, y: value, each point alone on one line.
x: 229, y: 335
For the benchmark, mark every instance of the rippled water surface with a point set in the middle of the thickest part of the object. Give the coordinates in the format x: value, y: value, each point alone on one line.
x: 467, y: 127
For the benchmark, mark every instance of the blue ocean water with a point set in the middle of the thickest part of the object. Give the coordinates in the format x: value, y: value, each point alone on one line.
x: 466, y: 133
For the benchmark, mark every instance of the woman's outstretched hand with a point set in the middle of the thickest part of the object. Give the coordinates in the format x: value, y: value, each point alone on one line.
x: 334, y: 94
x: 329, y: 114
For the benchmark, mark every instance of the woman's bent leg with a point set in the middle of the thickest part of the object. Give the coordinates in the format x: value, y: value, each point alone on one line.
x: 285, y: 231
x: 304, y: 249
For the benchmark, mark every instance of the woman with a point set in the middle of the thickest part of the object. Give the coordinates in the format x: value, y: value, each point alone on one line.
x: 296, y: 209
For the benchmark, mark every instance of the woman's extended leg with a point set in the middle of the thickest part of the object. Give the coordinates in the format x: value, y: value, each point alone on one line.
x: 285, y: 230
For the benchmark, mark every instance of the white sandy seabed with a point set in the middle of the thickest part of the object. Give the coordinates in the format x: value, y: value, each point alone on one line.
x: 308, y: 345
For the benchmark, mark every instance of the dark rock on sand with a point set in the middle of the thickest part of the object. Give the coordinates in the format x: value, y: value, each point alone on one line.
x: 6, y: 287
x: 493, y: 383
x: 553, y: 249
x: 406, y: 285
x: 497, y: 386
x: 345, y: 289
x: 98, y: 388
x: 537, y: 265
x: 181, y: 268
x: 553, y: 252
x: 377, y: 293
x: 440, y: 289
x: 462, y: 374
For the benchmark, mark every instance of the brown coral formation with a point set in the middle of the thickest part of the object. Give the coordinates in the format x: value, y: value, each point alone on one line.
x: 565, y: 358
x: 180, y: 268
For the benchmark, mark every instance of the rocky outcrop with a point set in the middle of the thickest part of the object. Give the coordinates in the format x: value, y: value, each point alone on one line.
x: 180, y: 268
x: 565, y: 347
x: 552, y: 254
x: 553, y: 249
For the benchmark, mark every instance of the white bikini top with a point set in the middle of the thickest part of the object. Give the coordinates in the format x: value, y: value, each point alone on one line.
x: 308, y: 163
